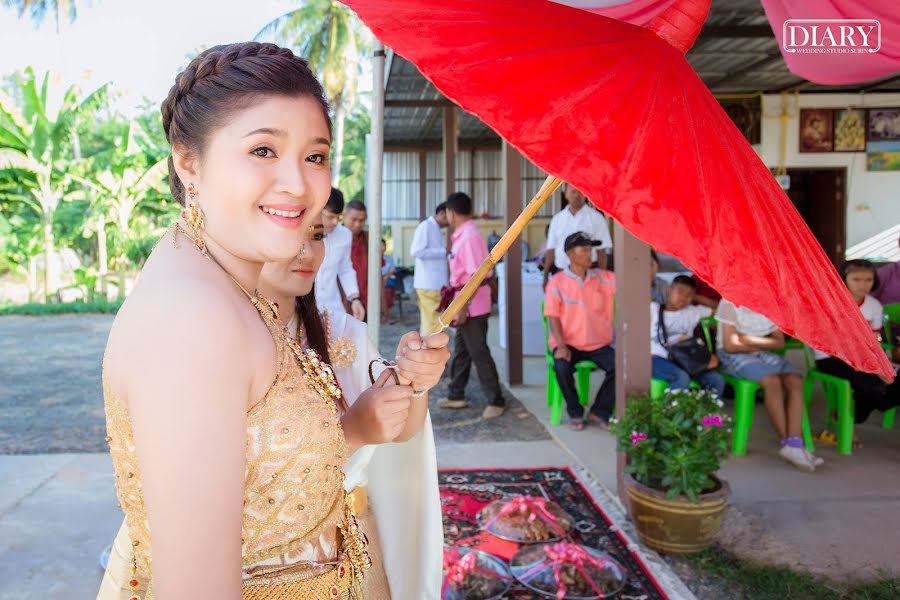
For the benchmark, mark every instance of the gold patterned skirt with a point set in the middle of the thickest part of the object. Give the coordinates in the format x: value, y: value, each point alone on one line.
x: 336, y: 583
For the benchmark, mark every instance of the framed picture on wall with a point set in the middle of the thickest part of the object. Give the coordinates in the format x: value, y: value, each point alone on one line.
x: 883, y: 156
x: 816, y: 130
x: 883, y: 125
x: 850, y: 130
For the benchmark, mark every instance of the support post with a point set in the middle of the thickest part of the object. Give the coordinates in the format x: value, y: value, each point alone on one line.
x: 373, y: 310
x: 512, y: 193
x: 633, y: 366
x: 423, y: 184
x: 451, y: 133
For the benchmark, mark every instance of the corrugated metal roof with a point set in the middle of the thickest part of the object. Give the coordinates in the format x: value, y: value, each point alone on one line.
x: 735, y: 53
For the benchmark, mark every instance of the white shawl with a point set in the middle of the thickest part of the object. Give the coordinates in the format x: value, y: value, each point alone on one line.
x: 401, y: 480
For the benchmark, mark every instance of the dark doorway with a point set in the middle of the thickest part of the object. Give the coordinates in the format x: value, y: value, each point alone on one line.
x: 820, y: 195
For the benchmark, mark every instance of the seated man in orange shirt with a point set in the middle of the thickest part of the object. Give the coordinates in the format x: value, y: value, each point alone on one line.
x: 579, y: 306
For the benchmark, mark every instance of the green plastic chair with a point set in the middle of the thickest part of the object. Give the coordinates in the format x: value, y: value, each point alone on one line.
x: 891, y: 320
x: 744, y: 398
x: 554, y: 392
x: 838, y: 397
x: 658, y: 387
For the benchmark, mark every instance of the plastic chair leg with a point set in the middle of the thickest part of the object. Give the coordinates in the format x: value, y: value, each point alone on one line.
x: 889, y: 416
x: 744, y: 403
x: 556, y: 409
x: 845, y: 424
x: 584, y: 383
x: 554, y: 400
x: 658, y: 388
x: 551, y: 383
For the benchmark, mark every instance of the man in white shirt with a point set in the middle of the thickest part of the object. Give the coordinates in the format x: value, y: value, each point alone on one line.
x: 577, y: 216
x: 336, y: 267
x: 429, y: 248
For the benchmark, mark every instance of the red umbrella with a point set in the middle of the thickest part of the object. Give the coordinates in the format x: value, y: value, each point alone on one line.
x: 617, y: 111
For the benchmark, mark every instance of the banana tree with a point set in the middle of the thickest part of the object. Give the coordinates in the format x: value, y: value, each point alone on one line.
x: 330, y: 37
x: 35, y: 142
x: 119, y: 180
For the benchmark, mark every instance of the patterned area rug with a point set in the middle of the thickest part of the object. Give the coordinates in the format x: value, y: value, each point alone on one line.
x: 465, y: 492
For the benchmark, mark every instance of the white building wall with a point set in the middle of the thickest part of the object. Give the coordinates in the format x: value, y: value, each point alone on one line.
x: 873, y: 198
x: 479, y: 174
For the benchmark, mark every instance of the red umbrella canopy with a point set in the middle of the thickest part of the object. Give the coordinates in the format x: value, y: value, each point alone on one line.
x: 618, y: 112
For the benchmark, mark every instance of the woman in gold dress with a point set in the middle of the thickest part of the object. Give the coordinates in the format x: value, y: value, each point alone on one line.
x: 227, y: 438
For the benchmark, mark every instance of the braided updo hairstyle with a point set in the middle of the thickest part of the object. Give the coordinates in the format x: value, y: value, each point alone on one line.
x: 225, y: 79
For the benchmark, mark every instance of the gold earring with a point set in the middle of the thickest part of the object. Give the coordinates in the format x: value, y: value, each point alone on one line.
x: 302, y: 252
x: 195, y: 220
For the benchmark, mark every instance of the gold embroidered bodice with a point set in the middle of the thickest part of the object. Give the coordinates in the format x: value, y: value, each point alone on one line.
x: 294, y: 502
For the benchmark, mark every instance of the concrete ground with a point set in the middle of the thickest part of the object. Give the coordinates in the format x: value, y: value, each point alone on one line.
x: 839, y: 521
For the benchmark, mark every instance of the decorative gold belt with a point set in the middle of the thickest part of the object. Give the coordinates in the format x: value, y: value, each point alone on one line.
x: 358, y: 500
x: 336, y: 584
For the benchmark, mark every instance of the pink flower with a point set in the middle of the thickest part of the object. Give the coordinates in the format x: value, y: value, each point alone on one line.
x: 637, y: 437
x: 712, y: 421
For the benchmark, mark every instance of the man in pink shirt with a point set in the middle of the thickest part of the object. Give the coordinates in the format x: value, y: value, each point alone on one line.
x: 578, y: 303
x: 467, y: 253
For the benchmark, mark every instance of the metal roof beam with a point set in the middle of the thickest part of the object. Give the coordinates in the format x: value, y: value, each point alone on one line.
x: 439, y: 102
x: 735, y: 31
x: 767, y: 60
x: 877, y: 84
x: 429, y: 124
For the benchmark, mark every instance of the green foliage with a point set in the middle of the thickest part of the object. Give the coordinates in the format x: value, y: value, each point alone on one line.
x: 37, y: 144
x: 747, y: 579
x: 674, y: 443
x: 77, y: 167
x: 353, y: 166
x: 36, y: 310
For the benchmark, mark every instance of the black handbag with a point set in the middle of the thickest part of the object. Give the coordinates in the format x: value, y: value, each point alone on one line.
x: 691, y: 354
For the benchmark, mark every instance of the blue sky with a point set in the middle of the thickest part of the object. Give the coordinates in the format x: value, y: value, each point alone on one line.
x: 139, y: 46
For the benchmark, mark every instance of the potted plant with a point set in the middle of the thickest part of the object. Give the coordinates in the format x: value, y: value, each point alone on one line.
x: 674, y: 445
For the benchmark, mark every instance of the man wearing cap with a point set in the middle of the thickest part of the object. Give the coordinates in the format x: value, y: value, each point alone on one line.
x: 578, y: 304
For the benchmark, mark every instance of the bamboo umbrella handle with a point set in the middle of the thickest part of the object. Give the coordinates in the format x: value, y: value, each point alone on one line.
x: 465, y: 294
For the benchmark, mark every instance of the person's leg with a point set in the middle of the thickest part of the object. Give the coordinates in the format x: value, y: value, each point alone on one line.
x: 476, y: 343
x: 869, y: 393
x: 565, y: 376
x: 428, y: 301
x: 793, y: 383
x: 605, y: 401
x: 773, y: 394
x: 665, y: 369
x: 891, y: 396
x: 713, y: 381
x: 460, y: 365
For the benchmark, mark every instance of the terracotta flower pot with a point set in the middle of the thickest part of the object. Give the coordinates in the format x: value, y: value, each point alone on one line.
x: 676, y: 526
